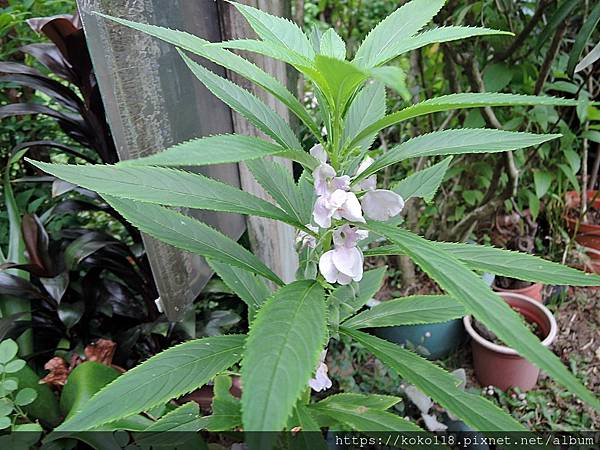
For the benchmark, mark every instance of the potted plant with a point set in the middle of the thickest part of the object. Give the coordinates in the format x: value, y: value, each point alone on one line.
x: 501, y: 366
x: 514, y: 286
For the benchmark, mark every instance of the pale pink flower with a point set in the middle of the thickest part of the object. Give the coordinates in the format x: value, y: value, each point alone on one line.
x: 348, y: 236
x: 381, y: 204
x: 319, y: 153
x: 321, y: 381
x: 342, y: 265
x: 338, y: 205
x: 326, y: 181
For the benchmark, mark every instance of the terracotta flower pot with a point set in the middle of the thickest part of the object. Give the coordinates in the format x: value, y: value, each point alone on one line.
x: 588, y: 234
x: 534, y: 291
x: 501, y: 366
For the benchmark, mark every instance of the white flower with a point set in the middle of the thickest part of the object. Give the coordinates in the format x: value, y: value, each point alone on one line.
x: 381, y: 204
x: 344, y: 263
x: 326, y: 182
x: 369, y: 183
x: 319, y: 153
x: 338, y: 205
x: 321, y: 381
x: 305, y: 239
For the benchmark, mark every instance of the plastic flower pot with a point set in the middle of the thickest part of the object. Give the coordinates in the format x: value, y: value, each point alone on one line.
x: 588, y: 234
x: 533, y: 291
x: 500, y: 366
x: 433, y: 341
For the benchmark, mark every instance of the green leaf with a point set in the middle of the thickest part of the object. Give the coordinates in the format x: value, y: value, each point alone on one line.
x: 25, y: 396
x: 281, y: 354
x: 352, y: 400
x: 468, y: 288
x: 165, y: 186
x: 459, y: 101
x: 6, y: 407
x: 174, y: 429
x: 365, y: 419
x: 189, y: 234
x: 424, y: 183
x: 394, y: 78
x: 168, y: 375
x: 341, y: 80
x: 279, y: 30
x: 521, y: 266
x: 228, y: 60
x: 310, y: 436
x: 592, y: 135
x: 14, y: 366
x: 226, y: 409
x: 351, y: 299
x: 246, y: 104
x: 366, y: 108
x: 247, y: 286
x: 10, y: 385
x: 8, y: 350
x: 411, y: 310
x: 220, y: 149
x: 442, y: 34
x: 542, y: 180
x: 5, y: 422
x: 382, y: 42
x: 435, y: 382
x: 583, y: 37
x: 496, y: 77
x: 333, y: 45
x: 279, y: 183
x: 454, y: 142
x: 568, y: 171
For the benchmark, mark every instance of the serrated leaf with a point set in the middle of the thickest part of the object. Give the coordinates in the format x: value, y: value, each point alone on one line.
x: 521, y: 266
x: 468, y: 288
x: 228, y: 60
x: 310, y: 436
x: 367, y: 420
x: 424, y: 183
x: 442, y: 34
x: 226, y: 409
x: 352, y: 299
x: 220, y: 149
x: 247, y: 286
x: 279, y: 30
x: 459, y: 101
x: 174, y: 428
x: 8, y: 350
x: 417, y: 309
x: 279, y: 183
x: 340, y: 80
x: 352, y: 400
x: 435, y: 382
x: 165, y: 186
x: 454, y: 142
x: 367, y: 107
x: 170, y: 374
x: 246, y: 104
x: 380, y: 44
x: 189, y: 234
x: 394, y: 78
x: 281, y: 354
x: 331, y: 44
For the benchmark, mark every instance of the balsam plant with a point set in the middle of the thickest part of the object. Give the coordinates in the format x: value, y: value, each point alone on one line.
x: 334, y: 205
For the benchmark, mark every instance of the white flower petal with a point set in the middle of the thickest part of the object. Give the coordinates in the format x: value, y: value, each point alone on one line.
x: 351, y: 209
x: 327, y: 268
x: 319, y: 152
x: 322, y: 212
x: 381, y: 204
x: 364, y: 165
x: 348, y: 236
x: 349, y: 261
x: 322, y: 176
x: 321, y: 381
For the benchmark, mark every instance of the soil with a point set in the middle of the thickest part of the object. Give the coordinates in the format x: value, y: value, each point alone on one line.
x: 487, y: 334
x: 510, y: 283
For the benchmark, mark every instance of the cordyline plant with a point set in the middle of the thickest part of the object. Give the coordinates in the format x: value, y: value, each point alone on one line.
x: 334, y: 205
